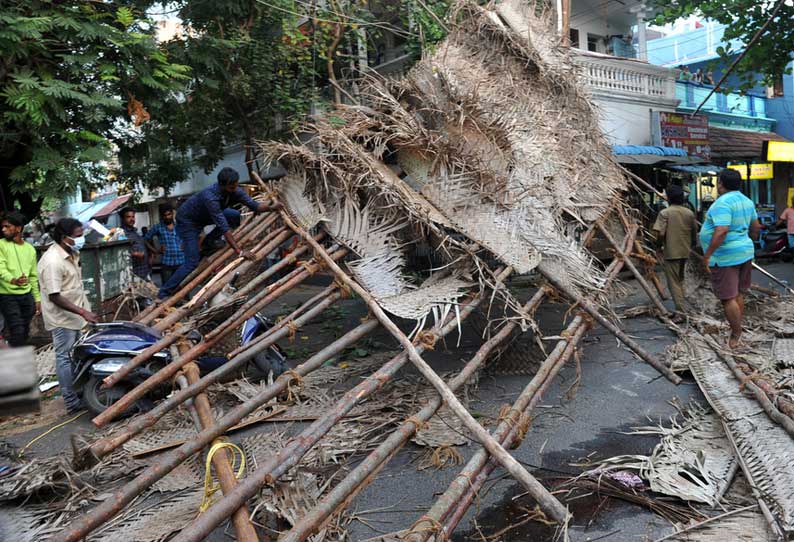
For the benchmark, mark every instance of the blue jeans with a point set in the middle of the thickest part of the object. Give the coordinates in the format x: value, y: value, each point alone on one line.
x: 62, y: 340
x: 189, y: 234
x: 791, y: 241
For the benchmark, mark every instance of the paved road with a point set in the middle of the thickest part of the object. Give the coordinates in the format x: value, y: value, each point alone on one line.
x: 616, y: 392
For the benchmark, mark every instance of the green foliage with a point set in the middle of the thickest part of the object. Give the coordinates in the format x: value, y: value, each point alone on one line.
x: 422, y: 18
x: 255, y: 71
x: 69, y: 70
x: 768, y: 59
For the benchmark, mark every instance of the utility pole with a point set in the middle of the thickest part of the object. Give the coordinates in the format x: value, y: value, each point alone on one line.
x: 566, y: 22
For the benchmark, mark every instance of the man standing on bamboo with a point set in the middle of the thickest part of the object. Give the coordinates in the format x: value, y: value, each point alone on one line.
x: 675, y: 229
x: 727, y: 237
x: 211, y: 206
x: 19, y: 284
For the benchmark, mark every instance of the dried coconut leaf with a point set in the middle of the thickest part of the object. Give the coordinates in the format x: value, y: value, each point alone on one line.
x: 693, y: 461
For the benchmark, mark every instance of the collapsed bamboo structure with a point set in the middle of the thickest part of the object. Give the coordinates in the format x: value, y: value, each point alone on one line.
x: 455, y: 158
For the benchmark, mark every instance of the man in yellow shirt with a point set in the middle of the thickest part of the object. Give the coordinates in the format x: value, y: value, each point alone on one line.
x: 19, y: 285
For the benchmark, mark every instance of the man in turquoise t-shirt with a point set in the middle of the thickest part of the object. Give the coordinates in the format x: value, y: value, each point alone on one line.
x: 727, y: 237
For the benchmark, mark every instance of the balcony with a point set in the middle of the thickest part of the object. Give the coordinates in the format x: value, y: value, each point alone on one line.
x: 743, y: 110
x: 621, y: 79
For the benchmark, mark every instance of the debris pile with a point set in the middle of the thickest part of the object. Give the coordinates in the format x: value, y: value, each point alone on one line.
x: 489, y: 154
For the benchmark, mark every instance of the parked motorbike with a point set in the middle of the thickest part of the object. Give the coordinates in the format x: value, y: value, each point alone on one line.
x: 774, y: 243
x: 105, y: 348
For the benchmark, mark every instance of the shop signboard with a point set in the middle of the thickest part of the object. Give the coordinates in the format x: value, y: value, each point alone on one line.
x: 757, y: 171
x: 683, y: 131
x: 779, y: 151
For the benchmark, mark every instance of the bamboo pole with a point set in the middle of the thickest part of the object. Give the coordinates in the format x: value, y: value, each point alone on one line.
x: 760, y: 395
x: 760, y: 269
x: 648, y: 264
x: 480, y: 466
x: 547, y: 502
x: 549, y: 368
x: 591, y: 309
x: 633, y: 268
x: 271, y: 241
x: 104, y: 446
x: 220, y: 459
x: 221, y: 330
x: 294, y: 450
x: 365, y: 471
x: 245, y: 312
x: 85, y: 524
x: 204, y: 270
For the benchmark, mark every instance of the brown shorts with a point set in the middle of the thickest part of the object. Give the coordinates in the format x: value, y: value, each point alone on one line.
x: 729, y: 282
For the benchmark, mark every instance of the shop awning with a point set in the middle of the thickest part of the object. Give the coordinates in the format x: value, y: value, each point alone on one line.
x: 701, y: 169
x: 651, y: 154
x: 112, y: 207
x: 729, y: 144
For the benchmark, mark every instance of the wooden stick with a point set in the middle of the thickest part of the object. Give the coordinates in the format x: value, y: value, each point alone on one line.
x: 548, y: 503
x: 774, y: 414
x: 273, y: 468
x: 365, y: 471
x: 463, y: 489
x: 755, y: 265
x: 245, y: 312
x: 220, y: 460
x: 86, y: 523
x: 636, y: 272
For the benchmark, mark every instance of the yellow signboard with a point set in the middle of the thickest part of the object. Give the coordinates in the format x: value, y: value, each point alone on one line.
x: 779, y: 151
x: 757, y: 171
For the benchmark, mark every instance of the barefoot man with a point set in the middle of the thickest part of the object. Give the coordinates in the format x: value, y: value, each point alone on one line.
x: 727, y: 237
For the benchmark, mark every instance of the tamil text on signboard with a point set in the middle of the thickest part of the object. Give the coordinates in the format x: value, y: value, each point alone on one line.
x: 685, y: 132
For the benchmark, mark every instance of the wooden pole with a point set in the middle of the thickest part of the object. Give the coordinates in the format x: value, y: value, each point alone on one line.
x: 204, y: 270
x: 220, y: 459
x: 760, y: 269
x: 291, y: 454
x: 547, y: 502
x: 245, y: 312
x: 365, y: 471
x: 457, y: 494
x: 85, y: 524
x: 636, y: 272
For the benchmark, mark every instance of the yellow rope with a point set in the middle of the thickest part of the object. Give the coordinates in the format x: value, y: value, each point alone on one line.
x: 209, y: 488
x: 48, y: 431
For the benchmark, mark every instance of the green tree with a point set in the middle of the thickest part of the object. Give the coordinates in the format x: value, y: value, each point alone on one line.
x: 74, y: 79
x: 768, y: 59
x: 256, y: 69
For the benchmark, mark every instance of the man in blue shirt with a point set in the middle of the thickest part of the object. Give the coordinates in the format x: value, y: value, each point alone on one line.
x: 727, y: 237
x: 210, y: 206
x: 170, y: 251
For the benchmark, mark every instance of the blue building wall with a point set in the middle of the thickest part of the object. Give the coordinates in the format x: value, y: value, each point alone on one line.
x: 782, y: 108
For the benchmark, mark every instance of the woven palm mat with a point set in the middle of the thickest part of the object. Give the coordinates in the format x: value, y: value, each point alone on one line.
x: 731, y: 521
x: 152, y: 519
x: 693, y: 461
x: 765, y: 450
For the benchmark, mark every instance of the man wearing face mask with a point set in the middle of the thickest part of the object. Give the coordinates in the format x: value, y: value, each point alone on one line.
x: 64, y: 305
x: 171, y: 255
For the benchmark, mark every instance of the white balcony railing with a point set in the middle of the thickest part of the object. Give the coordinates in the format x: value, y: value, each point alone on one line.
x: 624, y: 78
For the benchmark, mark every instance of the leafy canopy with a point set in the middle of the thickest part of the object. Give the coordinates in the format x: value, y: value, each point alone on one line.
x: 768, y: 59
x: 71, y: 75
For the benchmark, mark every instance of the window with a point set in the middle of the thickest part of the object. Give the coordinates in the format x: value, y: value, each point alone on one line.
x: 777, y: 89
x: 594, y: 43
x: 573, y: 36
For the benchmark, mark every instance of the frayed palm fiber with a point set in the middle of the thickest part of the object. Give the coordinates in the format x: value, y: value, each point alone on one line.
x: 493, y: 139
x: 694, y: 460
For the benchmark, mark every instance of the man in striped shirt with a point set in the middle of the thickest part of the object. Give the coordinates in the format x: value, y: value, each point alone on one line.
x: 727, y: 237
